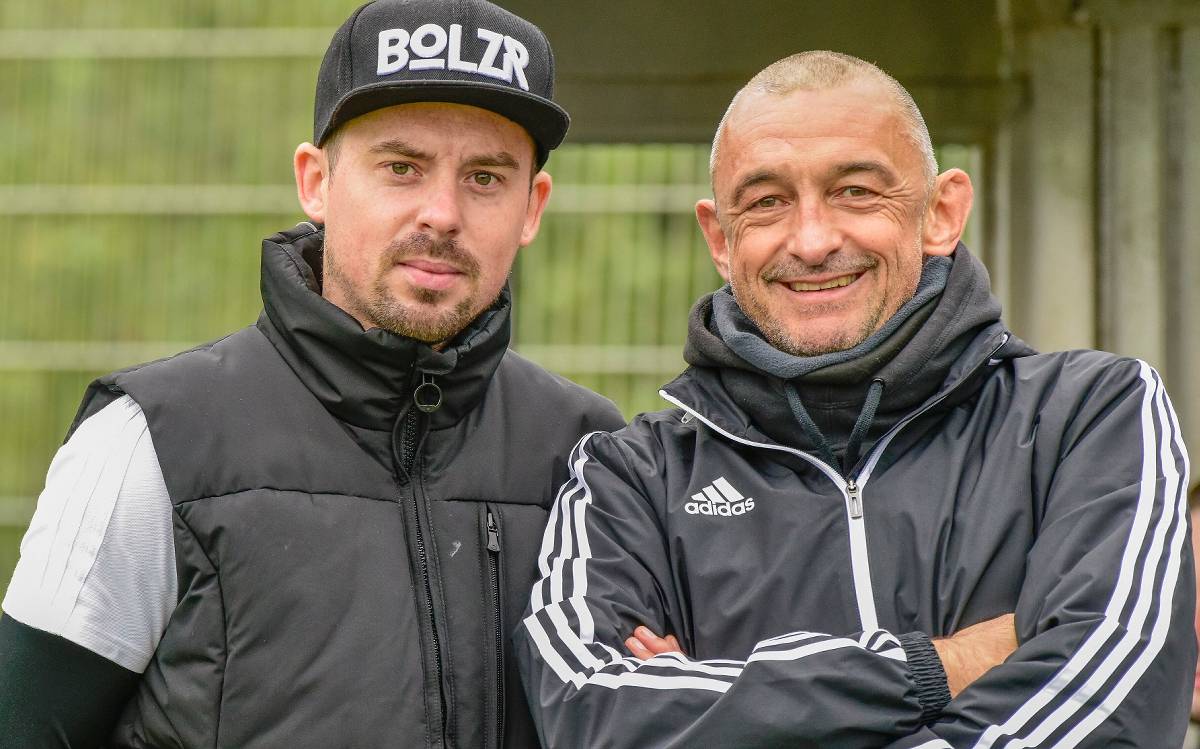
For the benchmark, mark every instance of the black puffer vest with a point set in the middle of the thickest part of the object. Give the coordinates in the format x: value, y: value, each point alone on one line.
x: 350, y: 566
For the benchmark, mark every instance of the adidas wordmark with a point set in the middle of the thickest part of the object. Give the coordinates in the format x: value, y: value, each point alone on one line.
x: 719, y: 498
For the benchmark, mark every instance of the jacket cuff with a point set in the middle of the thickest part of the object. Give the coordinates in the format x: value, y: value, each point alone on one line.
x: 933, y: 690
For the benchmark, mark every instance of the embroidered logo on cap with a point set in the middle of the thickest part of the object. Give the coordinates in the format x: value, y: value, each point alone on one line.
x: 432, y: 47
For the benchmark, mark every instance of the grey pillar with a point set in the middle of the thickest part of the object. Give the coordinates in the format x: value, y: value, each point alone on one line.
x: 1183, y: 266
x: 1101, y: 246
x: 1051, y: 275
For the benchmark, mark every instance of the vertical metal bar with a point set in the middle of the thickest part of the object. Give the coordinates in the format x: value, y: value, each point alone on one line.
x: 996, y: 193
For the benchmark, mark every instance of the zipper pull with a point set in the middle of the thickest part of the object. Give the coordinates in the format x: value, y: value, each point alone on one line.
x: 493, y: 533
x: 427, y: 395
x: 855, y: 496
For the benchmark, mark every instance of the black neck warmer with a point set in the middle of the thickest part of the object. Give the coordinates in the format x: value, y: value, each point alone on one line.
x: 816, y: 403
x: 745, y: 339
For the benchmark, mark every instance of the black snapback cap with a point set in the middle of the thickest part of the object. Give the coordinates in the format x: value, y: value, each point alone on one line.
x: 458, y: 51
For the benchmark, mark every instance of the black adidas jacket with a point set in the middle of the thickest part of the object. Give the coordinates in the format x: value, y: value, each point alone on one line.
x: 350, y: 567
x: 1049, y: 485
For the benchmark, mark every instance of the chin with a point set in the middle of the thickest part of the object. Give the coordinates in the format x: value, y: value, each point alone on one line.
x: 801, y: 341
x: 432, y: 299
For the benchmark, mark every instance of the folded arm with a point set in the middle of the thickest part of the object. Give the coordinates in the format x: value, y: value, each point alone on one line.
x: 964, y: 656
x: 1105, y: 612
x: 604, y: 570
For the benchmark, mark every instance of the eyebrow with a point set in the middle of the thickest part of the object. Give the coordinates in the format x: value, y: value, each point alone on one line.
x: 760, y: 176
x: 757, y: 177
x: 886, y: 173
x: 498, y: 160
x: 399, y: 148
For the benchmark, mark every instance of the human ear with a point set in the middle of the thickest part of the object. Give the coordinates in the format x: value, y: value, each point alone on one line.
x: 714, y: 235
x: 312, y: 174
x: 947, y: 212
x: 539, y: 195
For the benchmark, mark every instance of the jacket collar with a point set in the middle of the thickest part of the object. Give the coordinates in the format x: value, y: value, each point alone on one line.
x: 960, y: 331
x: 367, y: 377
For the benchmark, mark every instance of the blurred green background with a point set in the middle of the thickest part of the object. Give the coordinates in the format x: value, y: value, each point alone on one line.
x: 145, y: 149
x: 140, y: 169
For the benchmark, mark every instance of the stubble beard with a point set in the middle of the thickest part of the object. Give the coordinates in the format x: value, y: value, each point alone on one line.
x: 777, y: 333
x: 775, y: 330
x: 418, y: 317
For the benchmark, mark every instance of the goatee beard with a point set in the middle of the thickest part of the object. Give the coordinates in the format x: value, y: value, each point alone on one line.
x: 381, y: 307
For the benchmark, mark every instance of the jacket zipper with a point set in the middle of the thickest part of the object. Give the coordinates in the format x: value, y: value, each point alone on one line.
x: 860, y: 562
x: 493, y: 559
x: 851, y: 488
x: 854, y: 499
x: 410, y: 440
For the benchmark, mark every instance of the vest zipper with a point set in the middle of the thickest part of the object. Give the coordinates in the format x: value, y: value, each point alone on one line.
x: 410, y: 441
x: 493, y: 559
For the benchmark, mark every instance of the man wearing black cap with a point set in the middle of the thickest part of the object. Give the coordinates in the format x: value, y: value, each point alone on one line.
x: 319, y: 531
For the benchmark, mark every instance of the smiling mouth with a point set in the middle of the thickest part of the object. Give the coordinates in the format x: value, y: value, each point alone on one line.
x: 833, y: 283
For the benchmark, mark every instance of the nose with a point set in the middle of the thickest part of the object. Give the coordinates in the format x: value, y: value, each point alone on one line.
x: 814, y: 234
x: 440, y: 211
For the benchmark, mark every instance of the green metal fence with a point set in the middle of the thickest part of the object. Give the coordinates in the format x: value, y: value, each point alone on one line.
x: 145, y: 150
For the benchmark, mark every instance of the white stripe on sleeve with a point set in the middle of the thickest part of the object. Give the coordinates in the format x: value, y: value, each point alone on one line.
x: 1103, y: 653
x: 571, y: 650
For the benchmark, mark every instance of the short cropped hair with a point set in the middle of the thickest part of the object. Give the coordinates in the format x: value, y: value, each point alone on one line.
x: 819, y: 70
x: 332, y: 147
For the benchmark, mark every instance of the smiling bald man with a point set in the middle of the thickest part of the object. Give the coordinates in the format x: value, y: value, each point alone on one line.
x: 873, y: 517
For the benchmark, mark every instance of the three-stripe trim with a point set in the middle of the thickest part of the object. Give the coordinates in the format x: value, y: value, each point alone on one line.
x: 1107, y: 664
x: 1079, y: 697
x: 562, y: 627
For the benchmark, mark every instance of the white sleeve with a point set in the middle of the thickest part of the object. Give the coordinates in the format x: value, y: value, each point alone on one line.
x: 97, y: 564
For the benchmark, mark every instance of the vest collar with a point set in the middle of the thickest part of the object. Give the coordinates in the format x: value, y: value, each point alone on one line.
x: 367, y: 377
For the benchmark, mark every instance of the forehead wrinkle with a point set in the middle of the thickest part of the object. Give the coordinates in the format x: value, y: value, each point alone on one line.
x: 868, y: 99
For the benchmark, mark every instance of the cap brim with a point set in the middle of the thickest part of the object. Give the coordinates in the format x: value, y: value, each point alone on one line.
x: 545, y: 121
